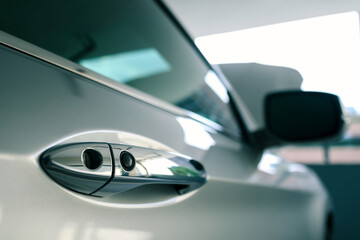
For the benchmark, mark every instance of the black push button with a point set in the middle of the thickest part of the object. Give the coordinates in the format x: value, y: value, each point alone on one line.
x: 127, y: 161
x: 92, y: 159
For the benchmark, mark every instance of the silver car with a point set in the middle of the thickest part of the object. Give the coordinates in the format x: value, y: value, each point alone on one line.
x: 114, y: 126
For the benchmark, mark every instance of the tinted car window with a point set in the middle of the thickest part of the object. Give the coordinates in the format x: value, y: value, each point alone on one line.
x: 135, y: 44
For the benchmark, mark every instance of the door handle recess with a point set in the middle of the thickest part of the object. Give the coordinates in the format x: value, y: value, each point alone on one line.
x: 102, y: 169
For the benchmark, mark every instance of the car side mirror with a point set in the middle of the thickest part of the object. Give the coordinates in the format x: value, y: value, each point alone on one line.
x: 296, y: 116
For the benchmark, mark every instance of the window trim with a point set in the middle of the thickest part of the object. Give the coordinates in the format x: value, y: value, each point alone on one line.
x: 31, y: 50
x: 39, y: 53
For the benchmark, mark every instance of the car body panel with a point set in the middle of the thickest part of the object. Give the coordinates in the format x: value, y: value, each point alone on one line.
x: 47, y: 101
x: 238, y: 201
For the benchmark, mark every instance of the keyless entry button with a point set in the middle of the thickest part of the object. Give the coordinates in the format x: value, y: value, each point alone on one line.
x: 127, y: 161
x: 92, y: 159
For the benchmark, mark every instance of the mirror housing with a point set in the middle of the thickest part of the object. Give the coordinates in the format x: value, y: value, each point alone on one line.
x: 297, y: 116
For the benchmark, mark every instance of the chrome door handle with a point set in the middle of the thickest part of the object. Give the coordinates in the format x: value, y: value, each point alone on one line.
x: 102, y: 169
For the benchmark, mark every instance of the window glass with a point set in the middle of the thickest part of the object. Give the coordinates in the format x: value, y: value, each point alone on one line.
x: 132, y: 42
x: 128, y: 66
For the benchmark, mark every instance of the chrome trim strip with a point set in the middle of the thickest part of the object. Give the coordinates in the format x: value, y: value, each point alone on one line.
x: 46, y: 56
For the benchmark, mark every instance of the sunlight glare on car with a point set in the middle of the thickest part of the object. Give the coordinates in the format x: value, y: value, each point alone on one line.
x: 213, y: 81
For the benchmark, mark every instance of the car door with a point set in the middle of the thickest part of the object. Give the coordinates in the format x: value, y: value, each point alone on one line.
x: 153, y: 96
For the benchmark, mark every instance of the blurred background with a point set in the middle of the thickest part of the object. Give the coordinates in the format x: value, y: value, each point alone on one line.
x: 276, y: 45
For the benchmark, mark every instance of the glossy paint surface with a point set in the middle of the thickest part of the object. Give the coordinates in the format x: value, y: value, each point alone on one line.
x: 43, y: 106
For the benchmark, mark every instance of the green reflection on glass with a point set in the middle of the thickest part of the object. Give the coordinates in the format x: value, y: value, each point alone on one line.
x: 124, y: 67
